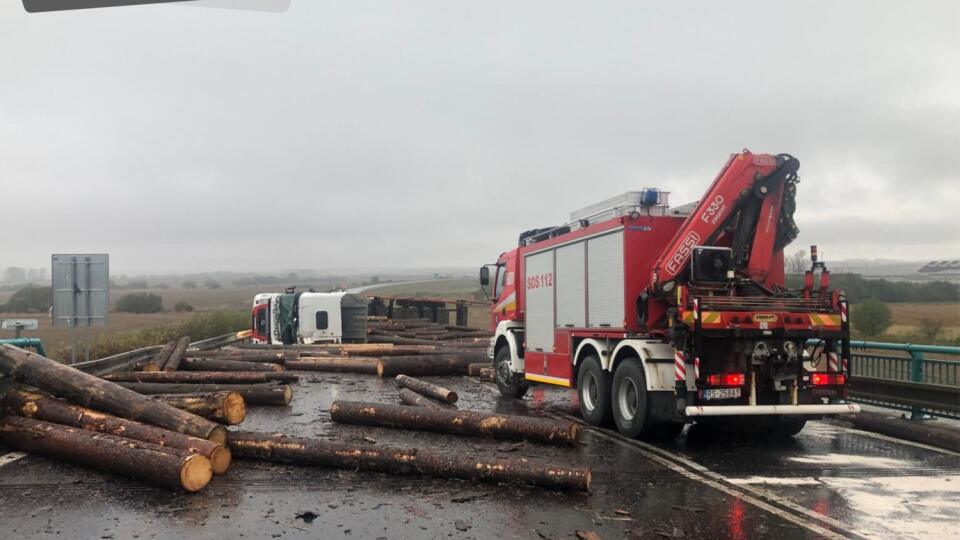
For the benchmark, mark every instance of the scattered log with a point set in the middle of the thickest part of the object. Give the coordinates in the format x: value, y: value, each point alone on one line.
x: 427, y: 389
x: 435, y: 364
x: 215, y: 364
x: 168, y: 467
x: 461, y: 335
x: 203, y: 377
x: 404, y: 350
x: 156, y: 363
x: 173, y: 363
x: 60, y: 412
x: 240, y: 355
x: 474, y: 370
x: 396, y: 340
x: 225, y: 407
x: 409, y: 397
x: 96, y: 393
x: 253, y: 394
x: 336, y: 364
x: 321, y: 453
x: 474, y: 423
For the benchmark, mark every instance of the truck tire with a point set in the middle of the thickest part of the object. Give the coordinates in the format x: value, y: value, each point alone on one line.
x: 510, y: 384
x: 631, y: 410
x: 786, y: 428
x: 593, y: 391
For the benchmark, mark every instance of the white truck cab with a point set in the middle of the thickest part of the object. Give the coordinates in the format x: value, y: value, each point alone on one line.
x: 309, y: 317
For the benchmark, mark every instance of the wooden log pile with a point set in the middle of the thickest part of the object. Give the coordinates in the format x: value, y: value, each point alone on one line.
x: 99, y: 424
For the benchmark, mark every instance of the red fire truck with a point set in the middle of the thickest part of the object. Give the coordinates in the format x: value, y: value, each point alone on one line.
x: 661, y: 316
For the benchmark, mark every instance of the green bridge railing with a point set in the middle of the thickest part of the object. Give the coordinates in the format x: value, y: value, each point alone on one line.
x: 922, y: 379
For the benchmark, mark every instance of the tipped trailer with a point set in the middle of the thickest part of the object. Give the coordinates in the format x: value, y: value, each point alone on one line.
x: 661, y: 316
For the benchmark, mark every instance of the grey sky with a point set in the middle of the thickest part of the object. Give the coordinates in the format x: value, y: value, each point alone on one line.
x: 414, y: 134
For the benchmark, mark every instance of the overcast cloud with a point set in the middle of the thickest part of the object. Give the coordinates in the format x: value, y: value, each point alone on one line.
x: 415, y: 134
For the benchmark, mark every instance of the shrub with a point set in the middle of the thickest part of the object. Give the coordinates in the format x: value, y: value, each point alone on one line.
x: 211, y: 284
x: 871, y: 318
x: 189, y: 284
x: 929, y: 327
x: 182, y: 307
x: 140, y: 303
x: 29, y: 299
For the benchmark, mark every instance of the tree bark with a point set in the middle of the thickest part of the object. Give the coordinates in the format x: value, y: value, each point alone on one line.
x: 409, y: 397
x: 253, y: 394
x: 94, y: 392
x: 337, y: 364
x: 173, y: 363
x: 224, y: 407
x: 203, y: 377
x: 427, y: 389
x: 434, y: 364
x: 60, y: 412
x: 168, y: 467
x: 215, y: 364
x: 461, y: 335
x: 272, y: 447
x: 157, y: 362
x: 478, y: 424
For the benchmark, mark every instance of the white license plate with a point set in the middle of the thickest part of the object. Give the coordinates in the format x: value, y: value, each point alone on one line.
x: 721, y: 393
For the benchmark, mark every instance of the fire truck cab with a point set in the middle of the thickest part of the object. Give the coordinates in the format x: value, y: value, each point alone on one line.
x: 660, y: 316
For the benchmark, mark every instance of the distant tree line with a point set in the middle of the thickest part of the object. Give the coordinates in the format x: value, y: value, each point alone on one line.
x: 859, y: 289
x: 266, y: 280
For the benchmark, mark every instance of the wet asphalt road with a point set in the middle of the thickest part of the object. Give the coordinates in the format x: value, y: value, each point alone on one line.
x: 829, y: 481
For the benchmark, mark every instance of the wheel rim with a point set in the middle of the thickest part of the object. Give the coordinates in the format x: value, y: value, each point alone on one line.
x: 628, y: 399
x: 503, y: 372
x: 589, y: 393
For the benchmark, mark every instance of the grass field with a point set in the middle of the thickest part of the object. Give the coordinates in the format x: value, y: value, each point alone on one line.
x: 908, y: 316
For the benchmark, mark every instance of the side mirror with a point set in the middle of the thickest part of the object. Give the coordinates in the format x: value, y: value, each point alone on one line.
x: 484, y: 276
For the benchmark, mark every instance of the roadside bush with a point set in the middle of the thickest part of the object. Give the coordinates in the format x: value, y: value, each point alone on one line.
x: 929, y: 327
x: 189, y: 284
x: 29, y: 299
x: 871, y: 318
x: 140, y: 303
x: 182, y: 307
x: 211, y: 284
x: 200, y: 326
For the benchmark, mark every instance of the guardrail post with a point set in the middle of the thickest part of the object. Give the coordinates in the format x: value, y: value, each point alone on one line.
x: 916, y: 375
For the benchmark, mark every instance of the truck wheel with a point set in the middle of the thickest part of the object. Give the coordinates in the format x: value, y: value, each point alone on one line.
x: 593, y: 391
x: 510, y: 384
x: 630, y: 407
x: 786, y: 428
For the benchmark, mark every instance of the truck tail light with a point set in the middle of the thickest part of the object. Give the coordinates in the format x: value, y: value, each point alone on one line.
x: 726, y: 379
x: 828, y: 379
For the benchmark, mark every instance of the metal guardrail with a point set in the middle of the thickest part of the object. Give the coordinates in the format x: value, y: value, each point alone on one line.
x: 903, y: 376
x: 140, y: 356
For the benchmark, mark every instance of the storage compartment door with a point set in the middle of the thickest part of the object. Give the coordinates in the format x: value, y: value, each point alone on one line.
x: 605, y: 281
x: 539, y: 293
x: 571, y: 286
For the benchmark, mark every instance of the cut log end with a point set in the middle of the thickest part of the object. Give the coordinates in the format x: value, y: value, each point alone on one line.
x: 380, y: 368
x: 234, y: 408
x: 287, y: 394
x: 150, y: 367
x: 218, y: 435
x: 195, y: 473
x: 220, y: 460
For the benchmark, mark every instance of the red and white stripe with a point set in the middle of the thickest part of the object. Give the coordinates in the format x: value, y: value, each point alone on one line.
x: 833, y: 363
x: 679, y: 366
x: 696, y: 308
x: 843, y: 312
x: 696, y: 368
x: 846, y: 368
